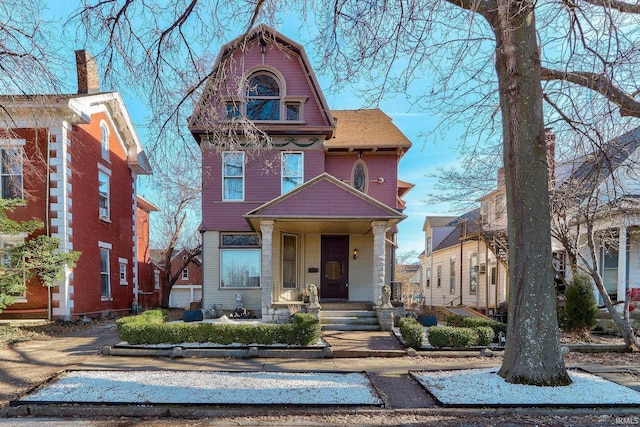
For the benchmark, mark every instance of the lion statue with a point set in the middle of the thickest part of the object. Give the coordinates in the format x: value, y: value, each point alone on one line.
x: 386, y: 296
x: 312, y: 291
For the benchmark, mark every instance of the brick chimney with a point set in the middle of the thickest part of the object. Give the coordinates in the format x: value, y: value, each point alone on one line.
x: 87, y: 69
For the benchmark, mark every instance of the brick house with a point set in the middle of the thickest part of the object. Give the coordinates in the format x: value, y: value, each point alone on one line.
x: 319, y: 207
x: 76, y: 160
x: 149, y: 291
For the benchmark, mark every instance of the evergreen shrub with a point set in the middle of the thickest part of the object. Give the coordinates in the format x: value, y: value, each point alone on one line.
x: 411, y: 331
x: 150, y: 328
x: 580, y: 310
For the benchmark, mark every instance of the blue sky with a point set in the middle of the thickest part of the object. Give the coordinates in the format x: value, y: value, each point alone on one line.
x: 426, y: 155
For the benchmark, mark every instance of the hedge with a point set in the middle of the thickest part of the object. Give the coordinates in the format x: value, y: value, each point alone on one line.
x: 453, y: 336
x: 411, y: 331
x: 476, y: 322
x: 150, y: 328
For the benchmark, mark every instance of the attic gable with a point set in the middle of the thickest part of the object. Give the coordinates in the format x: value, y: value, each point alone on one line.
x: 262, y: 79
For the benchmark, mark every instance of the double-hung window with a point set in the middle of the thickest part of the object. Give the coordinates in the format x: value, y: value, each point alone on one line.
x: 185, y: 274
x: 232, y: 175
x: 11, y: 169
x: 240, y: 261
x: 452, y: 276
x: 105, y: 271
x: 122, y: 262
x: 292, y: 171
x: 104, y: 199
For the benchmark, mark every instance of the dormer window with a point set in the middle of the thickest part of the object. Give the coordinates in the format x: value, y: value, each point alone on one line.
x: 263, y: 97
x: 266, y: 100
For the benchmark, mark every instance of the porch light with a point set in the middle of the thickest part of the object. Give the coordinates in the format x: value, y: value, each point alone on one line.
x: 355, y: 254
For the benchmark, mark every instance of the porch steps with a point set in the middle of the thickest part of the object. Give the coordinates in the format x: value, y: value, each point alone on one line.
x: 348, y: 317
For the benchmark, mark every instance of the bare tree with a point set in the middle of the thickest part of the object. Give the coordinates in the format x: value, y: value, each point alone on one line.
x: 589, y: 206
x: 486, y: 58
x: 175, y: 225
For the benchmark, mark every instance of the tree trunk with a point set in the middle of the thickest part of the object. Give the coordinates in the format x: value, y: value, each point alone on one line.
x: 532, y: 354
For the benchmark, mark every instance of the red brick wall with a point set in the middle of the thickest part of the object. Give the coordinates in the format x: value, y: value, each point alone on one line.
x: 35, y: 192
x: 88, y: 229
x: 146, y: 284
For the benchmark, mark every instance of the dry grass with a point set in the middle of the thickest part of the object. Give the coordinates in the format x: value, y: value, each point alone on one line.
x: 15, y: 332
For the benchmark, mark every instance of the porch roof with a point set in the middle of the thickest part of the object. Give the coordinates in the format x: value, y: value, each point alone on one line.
x: 325, y: 204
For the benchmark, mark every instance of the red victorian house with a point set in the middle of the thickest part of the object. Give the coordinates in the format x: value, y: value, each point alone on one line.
x: 79, y: 156
x: 318, y: 206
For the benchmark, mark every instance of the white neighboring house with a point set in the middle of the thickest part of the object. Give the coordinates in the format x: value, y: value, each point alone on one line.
x: 459, y: 267
x: 611, y: 178
x: 452, y: 243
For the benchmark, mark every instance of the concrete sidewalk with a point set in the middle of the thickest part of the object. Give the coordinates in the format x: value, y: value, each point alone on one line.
x: 378, y: 354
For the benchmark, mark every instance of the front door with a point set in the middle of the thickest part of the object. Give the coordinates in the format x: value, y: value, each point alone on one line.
x: 334, y: 282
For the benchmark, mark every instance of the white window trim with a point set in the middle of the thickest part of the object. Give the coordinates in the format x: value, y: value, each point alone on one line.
x: 182, y: 274
x: 156, y: 279
x: 102, y: 215
x: 239, y: 249
x: 122, y: 262
x: 282, y: 155
x: 107, y: 247
x: 224, y: 176
x: 14, y: 144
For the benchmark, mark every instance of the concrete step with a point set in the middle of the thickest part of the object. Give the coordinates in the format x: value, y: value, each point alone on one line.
x: 350, y: 327
x: 349, y: 320
x: 325, y: 320
x: 350, y: 305
x: 348, y: 313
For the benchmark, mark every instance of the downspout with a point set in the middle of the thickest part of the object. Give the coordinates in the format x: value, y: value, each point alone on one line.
x: 486, y: 279
x: 46, y: 213
x: 461, y: 268
x: 431, y: 279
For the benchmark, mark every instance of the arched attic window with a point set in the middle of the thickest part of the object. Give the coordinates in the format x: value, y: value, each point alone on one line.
x: 263, y: 97
x: 104, y: 140
x: 360, y: 176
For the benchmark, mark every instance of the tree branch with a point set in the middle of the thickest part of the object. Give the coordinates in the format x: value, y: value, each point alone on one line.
x: 618, y: 5
x: 599, y: 83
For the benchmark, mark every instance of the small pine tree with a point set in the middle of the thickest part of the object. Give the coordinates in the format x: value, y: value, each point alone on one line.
x: 580, y: 309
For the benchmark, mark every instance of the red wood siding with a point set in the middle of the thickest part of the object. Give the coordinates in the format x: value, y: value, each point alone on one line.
x: 325, y: 199
x: 262, y: 184
x: 378, y: 166
x: 287, y: 63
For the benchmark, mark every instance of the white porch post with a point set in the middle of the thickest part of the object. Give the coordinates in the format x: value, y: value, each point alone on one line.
x: 379, y: 255
x: 266, y: 228
x: 622, y: 265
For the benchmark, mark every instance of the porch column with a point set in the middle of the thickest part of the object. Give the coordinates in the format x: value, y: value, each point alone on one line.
x: 622, y: 265
x: 379, y: 255
x: 266, y: 228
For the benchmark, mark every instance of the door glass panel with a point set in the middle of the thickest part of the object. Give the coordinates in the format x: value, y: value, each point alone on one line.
x: 333, y: 270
